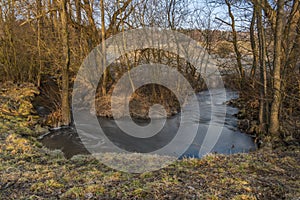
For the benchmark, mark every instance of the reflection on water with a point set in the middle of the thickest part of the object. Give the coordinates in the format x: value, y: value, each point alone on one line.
x: 230, y: 141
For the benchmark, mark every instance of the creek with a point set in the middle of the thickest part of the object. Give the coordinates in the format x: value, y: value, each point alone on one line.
x: 230, y: 140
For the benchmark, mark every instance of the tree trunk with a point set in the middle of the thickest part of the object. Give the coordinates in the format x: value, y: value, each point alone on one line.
x: 263, y: 110
x: 274, y: 115
x: 235, y: 43
x: 93, y: 39
x: 104, y: 83
x: 65, y: 108
x: 253, y: 43
x: 79, y: 29
x: 39, y: 27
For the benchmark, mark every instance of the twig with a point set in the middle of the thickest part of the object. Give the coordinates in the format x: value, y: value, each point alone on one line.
x: 37, y: 17
x: 217, y: 18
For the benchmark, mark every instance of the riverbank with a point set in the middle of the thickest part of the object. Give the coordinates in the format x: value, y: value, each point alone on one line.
x: 139, y: 103
x: 30, y: 171
x: 248, y: 122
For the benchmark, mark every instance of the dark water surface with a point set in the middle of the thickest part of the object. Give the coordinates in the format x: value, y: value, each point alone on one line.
x: 230, y: 141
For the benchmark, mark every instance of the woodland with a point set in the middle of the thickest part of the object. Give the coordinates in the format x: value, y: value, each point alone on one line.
x: 43, y: 44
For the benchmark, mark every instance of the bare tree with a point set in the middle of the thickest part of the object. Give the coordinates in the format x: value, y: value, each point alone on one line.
x: 253, y: 42
x: 39, y: 34
x: 264, y: 107
x: 66, y: 118
x: 235, y: 41
x: 275, y: 106
x: 104, y: 83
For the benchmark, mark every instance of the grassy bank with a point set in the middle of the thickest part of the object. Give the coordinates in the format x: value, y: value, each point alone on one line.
x: 29, y: 171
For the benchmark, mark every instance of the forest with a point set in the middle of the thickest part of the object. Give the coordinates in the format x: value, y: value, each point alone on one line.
x: 254, y: 46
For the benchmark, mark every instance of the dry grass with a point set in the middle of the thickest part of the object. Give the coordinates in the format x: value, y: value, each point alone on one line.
x: 31, y: 172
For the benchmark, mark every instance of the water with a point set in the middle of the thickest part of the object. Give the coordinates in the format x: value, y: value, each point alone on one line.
x: 230, y: 140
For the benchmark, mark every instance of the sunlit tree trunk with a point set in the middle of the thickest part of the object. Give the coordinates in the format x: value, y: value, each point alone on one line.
x: 79, y: 28
x: 104, y: 83
x: 92, y: 39
x: 53, y: 15
x: 66, y: 118
x: 39, y: 27
x: 275, y: 106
